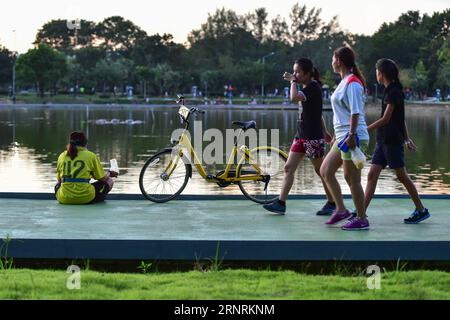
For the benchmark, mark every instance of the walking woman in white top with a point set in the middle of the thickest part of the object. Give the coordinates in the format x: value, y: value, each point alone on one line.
x: 350, y: 131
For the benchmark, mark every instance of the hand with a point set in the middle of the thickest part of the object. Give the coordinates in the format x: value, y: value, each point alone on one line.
x: 113, y: 174
x: 288, y: 76
x: 327, y: 137
x: 351, y: 141
x: 410, y: 145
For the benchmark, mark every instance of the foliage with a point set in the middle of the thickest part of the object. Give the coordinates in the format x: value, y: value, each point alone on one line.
x: 43, y: 66
x: 223, y: 285
x: 228, y: 49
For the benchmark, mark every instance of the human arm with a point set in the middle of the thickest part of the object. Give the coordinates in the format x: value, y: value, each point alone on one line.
x: 408, y: 141
x: 295, y: 95
x: 384, y: 120
x: 59, y: 169
x: 351, y: 139
x: 97, y: 170
x: 354, y: 93
x: 326, y: 135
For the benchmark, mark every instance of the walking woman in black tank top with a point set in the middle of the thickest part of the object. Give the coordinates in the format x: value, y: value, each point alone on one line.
x: 311, y: 132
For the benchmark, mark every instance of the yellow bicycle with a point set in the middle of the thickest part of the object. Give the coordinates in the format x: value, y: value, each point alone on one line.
x: 258, y: 172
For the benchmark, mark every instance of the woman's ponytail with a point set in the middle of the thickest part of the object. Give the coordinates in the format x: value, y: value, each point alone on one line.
x: 72, y: 150
x: 316, y: 75
x: 355, y: 70
x: 77, y: 138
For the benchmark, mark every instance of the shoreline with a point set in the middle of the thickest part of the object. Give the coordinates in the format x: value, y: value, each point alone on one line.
x: 151, y: 106
x: 327, y: 106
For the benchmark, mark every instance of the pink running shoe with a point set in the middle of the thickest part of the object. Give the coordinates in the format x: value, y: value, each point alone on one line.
x: 356, y: 224
x: 338, y: 217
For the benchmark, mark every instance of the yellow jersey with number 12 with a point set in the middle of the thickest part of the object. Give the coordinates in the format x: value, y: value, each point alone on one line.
x: 84, y: 166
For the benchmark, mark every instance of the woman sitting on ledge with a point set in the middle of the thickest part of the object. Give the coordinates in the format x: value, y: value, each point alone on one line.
x: 76, y: 166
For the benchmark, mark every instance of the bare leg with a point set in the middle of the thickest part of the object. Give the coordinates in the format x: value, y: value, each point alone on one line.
x: 353, y: 177
x: 372, y: 180
x: 289, y: 170
x: 109, y: 181
x: 317, y: 163
x: 330, y: 165
x: 404, y: 178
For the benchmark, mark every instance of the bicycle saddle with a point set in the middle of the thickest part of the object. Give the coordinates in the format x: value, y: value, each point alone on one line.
x: 245, y: 125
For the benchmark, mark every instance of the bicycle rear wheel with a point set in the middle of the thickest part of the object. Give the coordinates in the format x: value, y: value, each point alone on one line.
x: 164, y: 176
x: 271, y: 162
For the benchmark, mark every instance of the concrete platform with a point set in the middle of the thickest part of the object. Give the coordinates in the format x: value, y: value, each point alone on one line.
x: 238, y: 229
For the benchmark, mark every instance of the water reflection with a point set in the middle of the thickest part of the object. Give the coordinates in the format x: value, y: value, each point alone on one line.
x: 32, y: 138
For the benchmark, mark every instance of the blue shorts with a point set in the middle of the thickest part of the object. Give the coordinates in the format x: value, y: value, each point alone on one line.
x: 391, y: 155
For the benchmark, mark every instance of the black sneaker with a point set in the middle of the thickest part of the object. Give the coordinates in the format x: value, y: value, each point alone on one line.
x: 275, y: 207
x: 327, y: 209
x: 417, y: 216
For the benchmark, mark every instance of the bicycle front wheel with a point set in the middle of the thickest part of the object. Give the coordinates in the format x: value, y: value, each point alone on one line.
x: 164, y: 176
x: 270, y: 161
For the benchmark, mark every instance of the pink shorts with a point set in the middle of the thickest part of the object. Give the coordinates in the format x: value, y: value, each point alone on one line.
x: 312, y: 148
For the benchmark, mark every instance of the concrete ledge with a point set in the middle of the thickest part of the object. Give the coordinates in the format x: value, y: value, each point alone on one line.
x: 229, y: 250
x: 51, y: 196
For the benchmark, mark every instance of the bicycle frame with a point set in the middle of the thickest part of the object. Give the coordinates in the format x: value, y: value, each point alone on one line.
x: 247, y: 156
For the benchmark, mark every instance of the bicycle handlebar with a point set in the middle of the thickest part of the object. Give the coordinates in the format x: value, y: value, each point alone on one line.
x: 197, y: 110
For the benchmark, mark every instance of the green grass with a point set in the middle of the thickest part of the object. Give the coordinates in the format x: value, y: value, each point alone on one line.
x: 226, y: 284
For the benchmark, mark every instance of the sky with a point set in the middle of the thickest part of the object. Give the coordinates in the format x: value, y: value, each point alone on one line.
x: 20, y: 19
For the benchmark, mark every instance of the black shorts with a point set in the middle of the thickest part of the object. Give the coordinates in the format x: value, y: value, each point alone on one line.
x: 101, y: 190
x: 392, y: 155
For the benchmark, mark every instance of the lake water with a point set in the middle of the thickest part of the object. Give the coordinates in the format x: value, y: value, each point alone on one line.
x: 32, y: 138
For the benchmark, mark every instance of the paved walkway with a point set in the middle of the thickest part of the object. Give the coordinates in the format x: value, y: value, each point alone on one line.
x: 212, y: 220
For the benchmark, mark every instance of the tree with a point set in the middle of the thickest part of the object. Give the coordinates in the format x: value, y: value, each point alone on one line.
x: 145, y: 75
x: 408, y: 40
x: 89, y: 56
x: 259, y: 22
x: 119, y: 34
x: 407, y: 77
x: 279, y: 30
x: 331, y: 28
x: 75, y: 74
x: 398, y: 42
x: 410, y: 19
x: 112, y: 73
x: 444, y: 71
x: 212, y: 80
x: 42, y: 66
x: 155, y: 49
x: 172, y: 80
x: 329, y: 79
x: 159, y: 71
x: 221, y: 23
x: 60, y: 35
x: 224, y: 33
x: 420, y: 80
x: 6, y: 64
x: 227, y: 48
x: 305, y: 24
